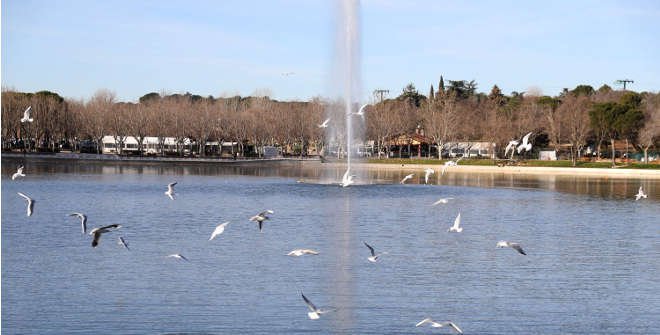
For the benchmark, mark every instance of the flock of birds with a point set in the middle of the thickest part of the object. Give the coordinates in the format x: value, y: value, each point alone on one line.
x: 347, y: 180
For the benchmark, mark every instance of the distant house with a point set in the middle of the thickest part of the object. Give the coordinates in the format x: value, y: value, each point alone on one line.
x: 150, y: 145
x: 410, y: 145
x: 469, y: 149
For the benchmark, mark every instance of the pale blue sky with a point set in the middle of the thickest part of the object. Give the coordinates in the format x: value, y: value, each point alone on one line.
x: 242, y: 47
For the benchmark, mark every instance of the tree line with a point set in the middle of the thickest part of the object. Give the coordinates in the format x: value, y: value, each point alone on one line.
x: 450, y: 113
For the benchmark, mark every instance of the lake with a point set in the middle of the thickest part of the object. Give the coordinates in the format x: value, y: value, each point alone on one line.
x: 592, y: 264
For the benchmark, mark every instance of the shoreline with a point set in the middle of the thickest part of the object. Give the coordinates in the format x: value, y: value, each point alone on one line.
x: 481, y: 169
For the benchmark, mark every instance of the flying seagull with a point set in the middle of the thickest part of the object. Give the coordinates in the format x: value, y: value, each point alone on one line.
x: 373, y: 258
x: 123, y: 243
x: 30, y: 203
x: 347, y: 179
x: 435, y: 324
x: 83, y: 221
x: 403, y: 181
x: 261, y: 217
x: 448, y: 164
x: 170, y: 190
x: 19, y: 173
x: 442, y: 201
x: 428, y: 172
x: 97, y: 232
x: 315, y: 312
x: 511, y: 146
x: 640, y: 194
x: 455, y: 227
x: 27, y: 115
x: 219, y: 230
x: 178, y: 256
x: 325, y: 123
x: 360, y: 112
x: 300, y: 252
x: 525, y: 144
x: 516, y: 246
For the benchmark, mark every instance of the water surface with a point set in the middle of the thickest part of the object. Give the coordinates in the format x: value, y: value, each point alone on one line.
x: 592, y: 264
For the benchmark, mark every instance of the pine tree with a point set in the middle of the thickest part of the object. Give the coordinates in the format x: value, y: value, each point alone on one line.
x: 431, y: 94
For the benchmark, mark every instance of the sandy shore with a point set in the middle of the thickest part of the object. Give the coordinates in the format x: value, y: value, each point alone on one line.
x: 522, y: 170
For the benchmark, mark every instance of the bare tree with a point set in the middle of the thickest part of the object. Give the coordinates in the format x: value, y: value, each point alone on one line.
x: 649, y: 135
x: 574, y: 114
x: 97, y: 116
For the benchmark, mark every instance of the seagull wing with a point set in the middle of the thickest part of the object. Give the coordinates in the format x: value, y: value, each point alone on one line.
x: 309, y: 303
x: 122, y: 242
x: 453, y: 325
x: 427, y: 320
x: 517, y: 247
x: 97, y: 235
x: 525, y: 139
x: 373, y: 253
x: 457, y: 221
x: 24, y: 196
x: 170, y: 187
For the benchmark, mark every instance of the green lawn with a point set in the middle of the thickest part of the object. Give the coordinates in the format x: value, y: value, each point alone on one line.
x: 490, y: 162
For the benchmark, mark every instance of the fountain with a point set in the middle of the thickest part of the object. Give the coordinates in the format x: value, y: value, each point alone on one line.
x: 346, y: 81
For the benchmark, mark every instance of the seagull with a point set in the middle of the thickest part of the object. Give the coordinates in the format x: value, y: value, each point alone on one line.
x: 178, y: 256
x: 442, y: 201
x: 123, y: 243
x: 347, y: 179
x: 525, y: 144
x: 97, y: 232
x: 428, y: 172
x: 300, y: 252
x: 373, y: 258
x: 315, y: 312
x: 325, y: 123
x: 83, y: 221
x: 170, y: 190
x: 219, y: 230
x: 455, y: 227
x: 403, y: 181
x: 435, y: 324
x: 640, y: 194
x: 511, y: 146
x: 360, y: 112
x: 261, y: 217
x: 26, y: 115
x: 516, y: 246
x: 19, y: 173
x: 448, y: 164
x: 30, y: 203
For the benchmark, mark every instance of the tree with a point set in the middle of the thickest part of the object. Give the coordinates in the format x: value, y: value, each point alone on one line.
x: 585, y: 90
x: 574, y: 112
x: 549, y: 107
x: 97, y: 115
x: 411, y: 96
x: 649, y: 134
x: 618, y: 119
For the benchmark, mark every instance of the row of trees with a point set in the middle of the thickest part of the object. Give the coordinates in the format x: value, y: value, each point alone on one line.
x: 452, y: 113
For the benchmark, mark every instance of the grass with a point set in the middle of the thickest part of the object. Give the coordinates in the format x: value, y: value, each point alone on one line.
x: 535, y: 163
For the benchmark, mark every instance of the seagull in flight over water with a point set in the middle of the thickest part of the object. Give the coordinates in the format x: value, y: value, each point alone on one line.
x: 123, y: 243
x: 347, y: 179
x: 442, y: 201
x: 30, y: 203
x: 435, y: 324
x: 19, y: 173
x: 219, y: 230
x: 403, y: 181
x: 640, y: 194
x: 97, y: 232
x: 516, y: 246
x: 178, y: 256
x: 525, y: 144
x: 374, y: 257
x: 27, y: 117
x: 170, y: 190
x: 300, y: 252
x: 325, y: 123
x: 83, y: 220
x: 315, y: 312
x: 455, y: 227
x: 428, y: 172
x: 261, y: 217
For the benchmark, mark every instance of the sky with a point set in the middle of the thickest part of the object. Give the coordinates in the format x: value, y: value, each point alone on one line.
x: 286, y: 48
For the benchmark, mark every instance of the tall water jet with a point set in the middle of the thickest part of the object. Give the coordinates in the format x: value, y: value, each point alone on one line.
x: 346, y: 80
